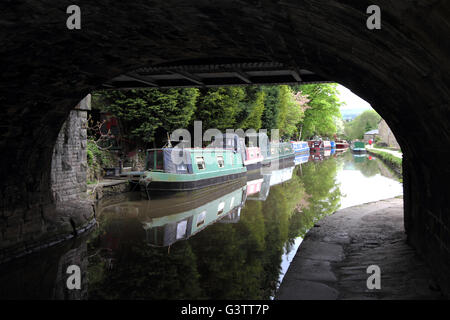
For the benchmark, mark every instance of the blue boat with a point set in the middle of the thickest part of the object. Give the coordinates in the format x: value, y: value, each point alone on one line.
x: 300, y: 147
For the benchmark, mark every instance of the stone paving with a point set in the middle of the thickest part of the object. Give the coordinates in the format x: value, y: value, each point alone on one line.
x: 332, y: 260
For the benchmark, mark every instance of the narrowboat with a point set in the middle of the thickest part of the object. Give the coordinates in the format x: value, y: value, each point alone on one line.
x: 326, y: 144
x: 280, y: 152
x: 300, y: 147
x: 358, y: 147
x: 251, y: 155
x: 319, y: 144
x: 184, y: 169
x: 341, y: 144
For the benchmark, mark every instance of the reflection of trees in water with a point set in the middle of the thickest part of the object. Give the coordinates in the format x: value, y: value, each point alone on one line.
x: 322, y: 189
x: 368, y: 168
x: 224, y: 261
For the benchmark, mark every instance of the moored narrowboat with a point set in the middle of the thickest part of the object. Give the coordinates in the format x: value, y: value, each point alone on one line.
x: 318, y: 145
x: 300, y: 147
x: 251, y: 156
x: 358, y: 147
x: 183, y: 169
x: 341, y: 144
x: 327, y: 144
x: 279, y: 152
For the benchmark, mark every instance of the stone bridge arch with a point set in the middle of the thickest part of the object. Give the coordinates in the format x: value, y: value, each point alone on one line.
x: 402, y: 70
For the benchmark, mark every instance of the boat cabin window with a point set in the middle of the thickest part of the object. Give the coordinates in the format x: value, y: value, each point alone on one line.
x: 220, y: 161
x: 201, y: 218
x: 181, y: 229
x: 200, y: 163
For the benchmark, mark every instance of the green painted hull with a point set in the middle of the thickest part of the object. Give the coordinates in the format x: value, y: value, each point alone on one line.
x: 205, y: 170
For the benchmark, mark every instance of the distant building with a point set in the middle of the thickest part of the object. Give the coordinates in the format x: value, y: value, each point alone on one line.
x: 386, y: 135
x: 370, y: 135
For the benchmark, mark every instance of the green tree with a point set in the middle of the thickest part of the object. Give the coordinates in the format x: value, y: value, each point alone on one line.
x: 254, y: 118
x: 148, y: 114
x: 219, y: 107
x: 364, y: 122
x: 323, y: 108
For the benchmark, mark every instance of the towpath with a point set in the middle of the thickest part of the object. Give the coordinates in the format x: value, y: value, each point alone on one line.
x: 332, y: 261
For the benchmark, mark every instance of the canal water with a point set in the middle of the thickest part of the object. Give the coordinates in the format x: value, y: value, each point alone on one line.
x: 232, y: 241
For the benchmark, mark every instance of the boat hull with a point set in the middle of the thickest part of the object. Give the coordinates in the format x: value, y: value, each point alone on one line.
x: 254, y: 166
x: 191, y: 185
x: 358, y: 150
x: 282, y: 160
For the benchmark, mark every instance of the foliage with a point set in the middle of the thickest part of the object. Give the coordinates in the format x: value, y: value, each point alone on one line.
x: 366, y: 121
x: 103, y: 158
x: 323, y: 109
x: 147, y: 114
x: 253, y: 119
x: 218, y: 107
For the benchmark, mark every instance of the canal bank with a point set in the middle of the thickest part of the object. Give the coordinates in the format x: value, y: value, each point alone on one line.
x: 393, y: 159
x: 332, y: 260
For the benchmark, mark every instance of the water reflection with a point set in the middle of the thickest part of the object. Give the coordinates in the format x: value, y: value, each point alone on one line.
x: 233, y: 241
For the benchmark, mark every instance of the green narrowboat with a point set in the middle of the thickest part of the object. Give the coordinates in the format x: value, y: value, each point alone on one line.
x: 185, y: 169
x: 358, y: 147
x: 281, y: 152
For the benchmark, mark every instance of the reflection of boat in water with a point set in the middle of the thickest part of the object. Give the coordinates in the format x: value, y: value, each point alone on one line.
x: 167, y: 219
x: 254, y: 183
x: 316, y: 155
x: 359, y: 157
x: 358, y: 147
x: 166, y: 230
x: 270, y: 179
x: 301, y: 158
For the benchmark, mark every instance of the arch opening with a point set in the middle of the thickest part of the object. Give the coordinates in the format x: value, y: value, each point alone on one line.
x: 402, y: 70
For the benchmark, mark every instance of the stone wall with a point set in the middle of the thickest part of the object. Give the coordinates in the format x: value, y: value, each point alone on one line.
x: 386, y: 135
x: 69, y: 162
